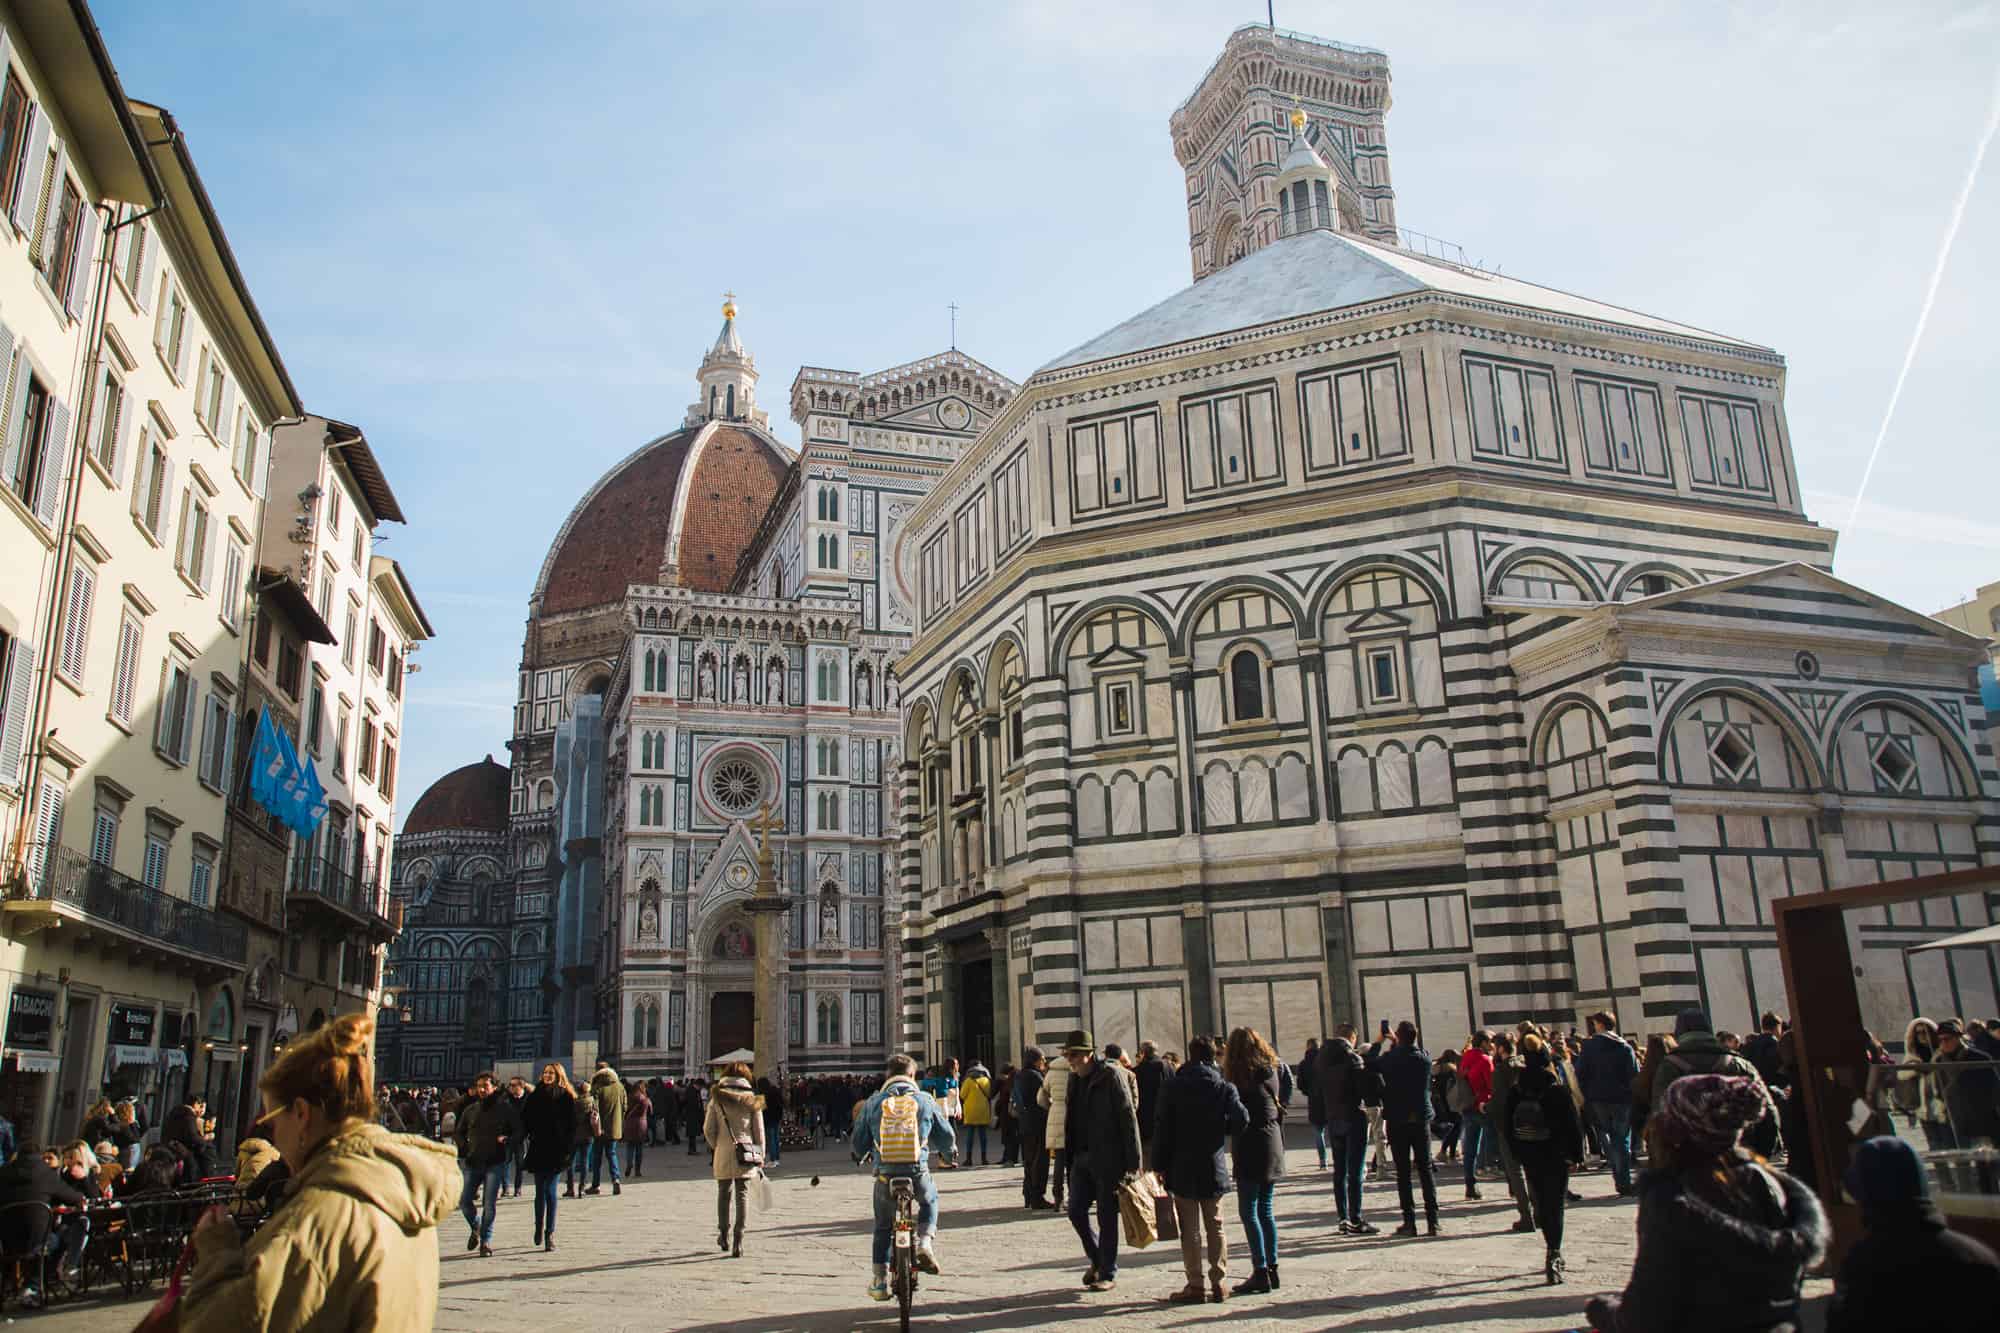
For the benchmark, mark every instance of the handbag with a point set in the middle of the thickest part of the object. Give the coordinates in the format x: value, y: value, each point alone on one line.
x: 1166, y: 1221
x: 748, y: 1154
x: 165, y: 1316
x: 1136, y: 1212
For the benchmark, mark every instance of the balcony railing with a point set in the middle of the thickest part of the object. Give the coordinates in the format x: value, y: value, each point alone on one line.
x: 320, y: 878
x: 64, y: 877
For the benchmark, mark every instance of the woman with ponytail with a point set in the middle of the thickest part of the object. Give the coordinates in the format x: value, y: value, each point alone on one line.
x: 352, y: 1247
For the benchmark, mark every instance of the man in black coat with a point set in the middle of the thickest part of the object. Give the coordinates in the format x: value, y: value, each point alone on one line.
x: 182, y: 1132
x: 1101, y: 1134
x: 28, y: 1179
x: 1033, y: 1119
x: 1199, y: 1112
x: 489, y: 1124
x: 1604, y: 1074
x: 1151, y: 1073
x: 1907, y: 1259
x: 1347, y: 1087
x: 693, y: 1110
x: 1970, y: 1080
x: 1405, y: 1069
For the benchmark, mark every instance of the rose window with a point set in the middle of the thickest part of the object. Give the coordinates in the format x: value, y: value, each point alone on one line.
x: 735, y: 787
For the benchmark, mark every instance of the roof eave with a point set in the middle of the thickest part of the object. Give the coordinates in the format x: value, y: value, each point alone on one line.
x: 76, y: 65
x: 291, y: 600
x: 388, y: 575
x: 367, y: 473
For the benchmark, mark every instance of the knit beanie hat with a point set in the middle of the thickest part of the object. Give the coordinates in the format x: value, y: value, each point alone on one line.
x: 1709, y: 1112
x: 1886, y: 1173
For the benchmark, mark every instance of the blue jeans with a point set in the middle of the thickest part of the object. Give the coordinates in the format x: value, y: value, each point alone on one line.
x: 1614, y: 1127
x: 885, y: 1208
x: 602, y: 1151
x: 1349, y: 1141
x: 1320, y: 1133
x: 774, y: 1134
x: 1253, y: 1204
x: 975, y: 1134
x: 1088, y: 1189
x: 1475, y: 1134
x: 545, y: 1202
x: 579, y: 1163
x: 494, y: 1178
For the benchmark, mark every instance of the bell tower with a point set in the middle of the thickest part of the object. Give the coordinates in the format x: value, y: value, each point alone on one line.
x: 728, y: 378
x: 1235, y: 138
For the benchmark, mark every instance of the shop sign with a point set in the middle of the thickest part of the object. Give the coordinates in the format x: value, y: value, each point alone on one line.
x: 132, y: 1055
x: 31, y: 1019
x: 131, y: 1025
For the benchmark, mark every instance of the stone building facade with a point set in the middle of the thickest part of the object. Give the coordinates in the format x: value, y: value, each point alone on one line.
x: 713, y: 630
x: 1359, y: 636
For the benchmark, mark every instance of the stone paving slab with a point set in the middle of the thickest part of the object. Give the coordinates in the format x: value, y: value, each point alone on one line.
x: 646, y: 1260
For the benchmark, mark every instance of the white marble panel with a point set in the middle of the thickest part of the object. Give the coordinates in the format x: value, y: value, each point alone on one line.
x: 1426, y: 674
x: 1254, y: 785
x: 1302, y: 937
x: 1166, y: 932
x: 1611, y: 887
x: 1294, y: 787
x: 1246, y: 1004
x: 1289, y: 697
x: 1208, y: 702
x: 1133, y: 950
x: 1699, y: 881
x: 1388, y: 997
x: 1725, y: 989
x: 1267, y: 932
x: 1357, y: 795
x: 1160, y: 814
x: 1579, y: 893
x: 1090, y: 808
x: 1434, y: 776
x: 1100, y: 947
x: 1125, y: 802
x: 1295, y: 1015
x: 1232, y: 943
x: 1370, y: 922
x: 1739, y: 906
x: 1163, y: 1016
x: 1448, y: 922
x: 1340, y: 698
x: 1767, y: 980
x: 1444, y: 1010
x: 1409, y: 924
x: 1392, y: 777
x: 1218, y: 795
x: 1588, y: 954
x: 1769, y: 873
x: 1083, y: 718
x: 1114, y: 1016
x: 1158, y: 716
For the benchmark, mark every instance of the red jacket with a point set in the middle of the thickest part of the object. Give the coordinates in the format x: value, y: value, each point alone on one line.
x: 1477, y: 1066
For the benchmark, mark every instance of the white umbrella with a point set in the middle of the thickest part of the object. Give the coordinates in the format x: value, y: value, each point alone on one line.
x: 737, y: 1056
x: 1970, y: 939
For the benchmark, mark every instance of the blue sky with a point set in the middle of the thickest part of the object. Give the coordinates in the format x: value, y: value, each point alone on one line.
x: 496, y: 235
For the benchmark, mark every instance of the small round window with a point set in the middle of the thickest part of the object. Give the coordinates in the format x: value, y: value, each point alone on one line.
x: 1807, y: 665
x: 735, y: 786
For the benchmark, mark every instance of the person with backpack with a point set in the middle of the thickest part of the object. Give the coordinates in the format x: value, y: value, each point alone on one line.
x: 588, y: 1125
x: 1345, y: 1086
x: 1697, y: 1050
x: 1605, y: 1071
x: 1470, y: 1096
x: 1540, y: 1125
x: 1445, y: 1122
x: 1199, y: 1113
x: 1507, y: 1068
x: 607, y: 1093
x: 900, y: 1126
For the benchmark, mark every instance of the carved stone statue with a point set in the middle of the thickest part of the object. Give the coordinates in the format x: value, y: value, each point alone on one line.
x: 705, y: 679
x: 829, y: 921
x: 774, y: 682
x: 740, y: 681
x: 649, y: 922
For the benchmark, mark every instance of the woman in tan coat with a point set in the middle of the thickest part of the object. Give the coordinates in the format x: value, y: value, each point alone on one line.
x: 735, y: 1117
x: 353, y: 1246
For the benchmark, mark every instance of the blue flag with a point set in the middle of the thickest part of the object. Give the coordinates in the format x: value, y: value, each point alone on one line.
x: 282, y: 782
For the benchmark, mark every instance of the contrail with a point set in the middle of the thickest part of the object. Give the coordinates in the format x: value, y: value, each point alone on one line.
x: 1930, y: 294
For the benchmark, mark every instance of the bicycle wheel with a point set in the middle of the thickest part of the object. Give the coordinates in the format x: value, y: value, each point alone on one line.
x: 906, y: 1286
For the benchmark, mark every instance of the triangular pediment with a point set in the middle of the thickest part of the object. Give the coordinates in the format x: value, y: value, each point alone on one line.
x: 1802, y: 593
x: 730, y: 872
x: 1377, y: 621
x: 1117, y: 655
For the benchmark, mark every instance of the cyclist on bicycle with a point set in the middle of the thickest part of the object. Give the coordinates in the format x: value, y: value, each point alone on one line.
x: 901, y: 1125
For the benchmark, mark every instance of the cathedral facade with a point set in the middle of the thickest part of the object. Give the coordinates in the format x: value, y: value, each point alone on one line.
x: 711, y: 635
x: 1356, y: 635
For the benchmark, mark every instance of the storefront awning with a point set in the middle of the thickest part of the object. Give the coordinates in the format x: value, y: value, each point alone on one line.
x: 32, y: 1062
x: 133, y: 1055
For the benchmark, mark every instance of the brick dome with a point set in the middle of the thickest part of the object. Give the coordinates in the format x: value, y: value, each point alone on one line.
x: 619, y: 533
x: 471, y: 798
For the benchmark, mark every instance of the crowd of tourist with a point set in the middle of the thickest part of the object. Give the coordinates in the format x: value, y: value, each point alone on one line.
x: 335, y: 1162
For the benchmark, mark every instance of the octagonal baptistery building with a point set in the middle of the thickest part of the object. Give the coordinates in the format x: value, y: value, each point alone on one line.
x: 1359, y: 636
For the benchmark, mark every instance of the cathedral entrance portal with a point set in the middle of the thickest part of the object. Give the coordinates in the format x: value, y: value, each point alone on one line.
x: 975, y: 1008
x: 732, y: 1021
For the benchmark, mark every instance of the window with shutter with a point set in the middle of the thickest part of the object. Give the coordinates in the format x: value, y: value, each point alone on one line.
x: 17, y: 676
x: 214, y: 725
x: 231, y: 609
x: 110, y: 424
x: 154, y: 871
x: 200, y: 879
x: 174, y: 736
x: 125, y: 673
x: 76, y: 622
x: 25, y: 205
x: 15, y: 113
x: 104, y: 837
x: 47, y: 832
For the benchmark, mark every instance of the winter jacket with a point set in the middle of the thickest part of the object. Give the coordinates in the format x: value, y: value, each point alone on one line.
x: 1054, y: 1098
x: 1762, y: 1052
x: 1565, y: 1141
x: 1406, y: 1086
x: 1151, y: 1075
x: 1477, y: 1067
x: 692, y: 1109
x: 638, y: 1118
x: 1101, y: 1120
x: 1258, y: 1150
x: 933, y: 1126
x: 610, y: 1095
x: 734, y: 1112
x: 1340, y: 1083
x: 252, y: 1156
x: 1699, y: 1052
x: 1199, y: 1112
x: 975, y: 1094
x: 1605, y: 1069
x: 352, y: 1247
x: 1029, y: 1111
x: 548, y: 1118
x: 1718, y: 1268
x: 486, y: 1128
x: 182, y: 1130
x: 1971, y: 1085
x: 22, y: 1230
x: 1959, y: 1278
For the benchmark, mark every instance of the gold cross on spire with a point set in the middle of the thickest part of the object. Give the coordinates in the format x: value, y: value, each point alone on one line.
x: 729, y: 305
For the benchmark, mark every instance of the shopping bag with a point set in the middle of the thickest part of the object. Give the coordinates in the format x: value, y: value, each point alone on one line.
x: 762, y: 1197
x: 1167, y: 1221
x: 1136, y: 1212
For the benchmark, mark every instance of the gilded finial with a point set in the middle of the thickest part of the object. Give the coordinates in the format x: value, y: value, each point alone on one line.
x: 1298, y: 119
x: 729, y: 305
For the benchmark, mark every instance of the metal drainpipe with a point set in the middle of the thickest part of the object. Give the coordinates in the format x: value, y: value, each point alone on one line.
x: 65, y: 530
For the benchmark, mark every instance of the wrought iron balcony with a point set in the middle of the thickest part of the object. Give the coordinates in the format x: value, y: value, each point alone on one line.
x: 318, y: 882
x: 64, y: 886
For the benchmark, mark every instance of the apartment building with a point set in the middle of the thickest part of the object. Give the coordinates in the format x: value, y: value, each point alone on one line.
x: 328, y: 498
x: 140, y: 383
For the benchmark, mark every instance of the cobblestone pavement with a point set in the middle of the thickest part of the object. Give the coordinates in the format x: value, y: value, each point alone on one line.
x: 646, y: 1260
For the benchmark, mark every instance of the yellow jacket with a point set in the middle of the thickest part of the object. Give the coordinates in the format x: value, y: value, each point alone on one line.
x: 975, y: 1094
x: 352, y: 1247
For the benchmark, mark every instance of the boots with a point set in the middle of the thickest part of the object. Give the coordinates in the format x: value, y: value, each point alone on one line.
x: 1217, y: 1294
x: 1191, y: 1294
x: 722, y: 1238
x: 1258, y: 1284
x: 736, y: 1250
x: 1554, y: 1268
x: 1272, y: 1273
